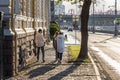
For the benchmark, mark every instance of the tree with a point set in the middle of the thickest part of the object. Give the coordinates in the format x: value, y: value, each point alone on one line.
x: 53, y: 28
x: 84, y: 28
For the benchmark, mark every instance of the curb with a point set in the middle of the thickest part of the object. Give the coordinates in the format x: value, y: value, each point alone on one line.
x: 95, y: 67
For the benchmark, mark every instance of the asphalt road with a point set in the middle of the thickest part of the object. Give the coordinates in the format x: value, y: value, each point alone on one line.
x: 107, y: 50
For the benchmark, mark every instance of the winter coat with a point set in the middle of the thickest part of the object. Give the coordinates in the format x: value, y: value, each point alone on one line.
x: 39, y: 40
x: 60, y: 43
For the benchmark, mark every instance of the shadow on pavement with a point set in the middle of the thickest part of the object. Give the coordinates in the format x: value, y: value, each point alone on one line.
x: 103, y: 41
x: 50, y: 66
x: 42, y: 70
x: 106, y: 39
x: 35, y: 63
x: 66, y: 72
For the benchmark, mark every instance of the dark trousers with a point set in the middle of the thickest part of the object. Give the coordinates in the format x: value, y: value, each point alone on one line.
x: 56, y: 55
x: 38, y: 52
x: 60, y: 56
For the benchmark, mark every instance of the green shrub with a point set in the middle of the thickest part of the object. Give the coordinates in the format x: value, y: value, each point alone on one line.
x: 53, y: 28
x: 73, y: 51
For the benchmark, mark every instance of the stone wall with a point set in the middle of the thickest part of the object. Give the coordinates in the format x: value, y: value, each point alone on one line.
x: 22, y: 19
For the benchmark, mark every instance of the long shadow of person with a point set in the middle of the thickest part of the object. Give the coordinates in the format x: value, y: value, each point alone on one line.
x: 66, y: 72
x: 42, y: 70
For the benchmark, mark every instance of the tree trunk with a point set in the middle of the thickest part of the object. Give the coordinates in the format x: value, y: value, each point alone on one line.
x: 84, y: 29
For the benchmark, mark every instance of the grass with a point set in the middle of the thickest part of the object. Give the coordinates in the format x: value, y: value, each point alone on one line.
x: 87, y: 60
x: 73, y: 51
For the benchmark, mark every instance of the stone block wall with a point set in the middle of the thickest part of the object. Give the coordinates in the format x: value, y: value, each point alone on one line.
x: 22, y: 19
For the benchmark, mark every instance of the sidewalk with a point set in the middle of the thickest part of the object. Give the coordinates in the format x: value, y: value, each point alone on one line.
x: 64, y: 71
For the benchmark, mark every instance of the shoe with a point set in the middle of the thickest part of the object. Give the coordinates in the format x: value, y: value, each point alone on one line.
x: 56, y: 60
x: 59, y: 62
x: 43, y: 61
x: 37, y: 61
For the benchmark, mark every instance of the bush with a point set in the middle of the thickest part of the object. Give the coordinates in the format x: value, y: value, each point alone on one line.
x: 53, y: 28
x: 73, y: 52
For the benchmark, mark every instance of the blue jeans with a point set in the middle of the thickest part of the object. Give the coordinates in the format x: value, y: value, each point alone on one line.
x: 38, y: 52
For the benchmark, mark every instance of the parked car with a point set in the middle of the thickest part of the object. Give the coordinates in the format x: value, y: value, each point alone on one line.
x: 70, y: 29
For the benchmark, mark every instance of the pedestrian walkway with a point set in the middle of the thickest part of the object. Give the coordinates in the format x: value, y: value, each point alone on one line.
x: 53, y: 71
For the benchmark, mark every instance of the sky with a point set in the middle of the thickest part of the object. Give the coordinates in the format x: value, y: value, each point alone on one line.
x: 101, y: 5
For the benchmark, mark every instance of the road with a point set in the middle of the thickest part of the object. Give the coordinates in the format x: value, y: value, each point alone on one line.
x: 107, y: 50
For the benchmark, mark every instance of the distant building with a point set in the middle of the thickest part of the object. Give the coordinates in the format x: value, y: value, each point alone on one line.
x: 22, y: 19
x: 59, y: 9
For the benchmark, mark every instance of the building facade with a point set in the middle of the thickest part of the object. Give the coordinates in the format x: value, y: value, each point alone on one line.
x: 21, y: 20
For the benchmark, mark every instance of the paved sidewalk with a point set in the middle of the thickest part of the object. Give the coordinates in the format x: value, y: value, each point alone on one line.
x: 52, y: 71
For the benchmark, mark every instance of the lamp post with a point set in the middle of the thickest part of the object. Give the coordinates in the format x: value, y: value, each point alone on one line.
x: 103, y: 9
x: 93, y: 17
x: 1, y: 46
x: 52, y: 10
x: 75, y: 19
x: 116, y: 30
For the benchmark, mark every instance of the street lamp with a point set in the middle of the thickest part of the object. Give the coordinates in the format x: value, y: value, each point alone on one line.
x: 52, y: 10
x: 116, y: 30
x: 116, y: 22
x: 93, y: 17
x: 1, y: 45
x: 75, y: 19
x: 103, y: 9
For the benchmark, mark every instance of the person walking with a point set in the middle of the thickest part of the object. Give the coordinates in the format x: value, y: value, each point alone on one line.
x: 55, y: 44
x: 40, y: 43
x: 60, y: 46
